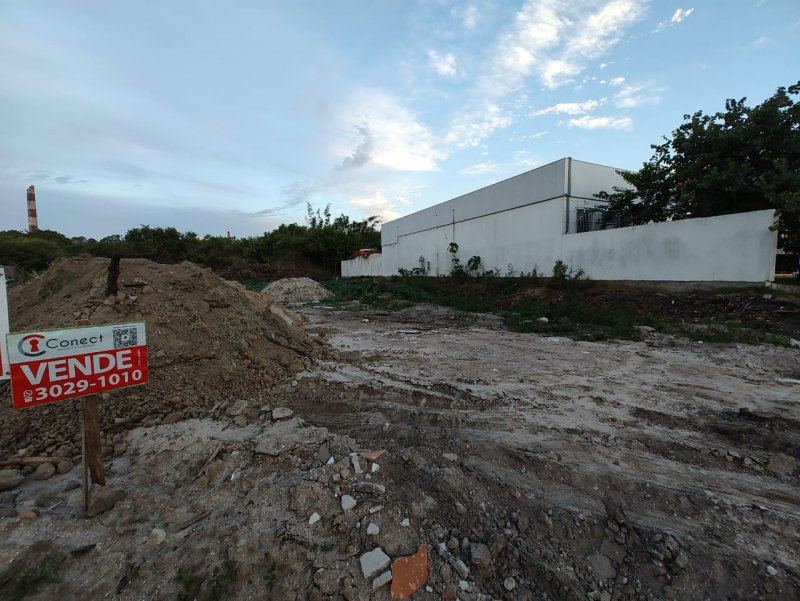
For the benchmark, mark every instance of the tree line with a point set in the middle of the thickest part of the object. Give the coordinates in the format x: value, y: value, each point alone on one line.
x: 316, y: 246
x: 740, y: 159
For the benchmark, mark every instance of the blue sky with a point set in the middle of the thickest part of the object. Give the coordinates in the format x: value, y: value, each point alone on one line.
x: 211, y: 116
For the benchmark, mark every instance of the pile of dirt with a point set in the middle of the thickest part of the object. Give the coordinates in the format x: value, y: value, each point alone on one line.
x: 256, y: 271
x: 295, y: 290
x: 209, y: 341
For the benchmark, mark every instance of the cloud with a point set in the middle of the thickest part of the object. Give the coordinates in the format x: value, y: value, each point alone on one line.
x: 521, y: 160
x: 617, y: 81
x: 762, y: 40
x: 363, y: 152
x: 68, y: 179
x: 391, y: 137
x: 587, y: 122
x: 678, y: 16
x: 468, y: 15
x: 571, y: 108
x: 444, y: 65
x: 552, y: 40
x: 631, y: 96
x: 376, y: 203
x: 292, y: 195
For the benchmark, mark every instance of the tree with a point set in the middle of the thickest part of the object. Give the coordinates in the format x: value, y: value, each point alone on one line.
x: 742, y: 159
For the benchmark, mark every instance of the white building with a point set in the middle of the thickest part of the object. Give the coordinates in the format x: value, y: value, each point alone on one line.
x: 532, y: 220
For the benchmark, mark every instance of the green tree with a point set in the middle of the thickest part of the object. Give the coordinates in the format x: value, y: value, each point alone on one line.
x: 742, y: 159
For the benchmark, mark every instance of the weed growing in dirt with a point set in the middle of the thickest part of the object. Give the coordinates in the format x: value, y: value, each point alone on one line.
x: 221, y: 579
x: 570, y: 305
x: 45, y: 571
x: 189, y: 582
x: 271, y: 574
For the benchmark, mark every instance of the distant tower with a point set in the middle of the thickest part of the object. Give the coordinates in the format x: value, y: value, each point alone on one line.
x: 33, y: 222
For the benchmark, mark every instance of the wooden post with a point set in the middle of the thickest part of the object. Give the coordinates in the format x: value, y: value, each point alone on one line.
x: 92, y: 447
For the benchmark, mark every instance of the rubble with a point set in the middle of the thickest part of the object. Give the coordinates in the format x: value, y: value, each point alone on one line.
x: 409, y: 574
x: 373, y: 562
x: 295, y: 290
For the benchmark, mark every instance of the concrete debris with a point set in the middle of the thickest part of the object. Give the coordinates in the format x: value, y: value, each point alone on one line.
x: 450, y: 456
x: 382, y: 580
x: 371, y: 488
x: 405, y: 523
x: 375, y: 508
x: 280, y: 413
x: 373, y: 562
x: 772, y: 571
x: 409, y: 573
x: 356, y: 463
x: 794, y: 343
x: 157, y: 536
x: 104, y: 499
x: 788, y: 381
x: 348, y: 502
x: 461, y: 568
x: 315, y: 517
x: 781, y: 464
x: 375, y: 467
x: 373, y: 529
x: 602, y: 566
x: 543, y: 320
x: 509, y: 584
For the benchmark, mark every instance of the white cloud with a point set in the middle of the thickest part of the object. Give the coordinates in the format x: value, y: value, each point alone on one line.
x: 762, y: 40
x: 572, y: 108
x: 587, y: 122
x: 444, y: 65
x: 553, y: 40
x: 390, y: 137
x: 631, y: 96
x: 468, y: 15
x: 521, y: 160
x: 617, y: 81
x: 376, y: 203
x: 678, y: 16
x: 479, y: 168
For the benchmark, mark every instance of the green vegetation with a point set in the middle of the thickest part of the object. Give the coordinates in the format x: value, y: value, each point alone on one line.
x: 221, y: 579
x: 319, y: 245
x: 564, y: 305
x: 742, y: 159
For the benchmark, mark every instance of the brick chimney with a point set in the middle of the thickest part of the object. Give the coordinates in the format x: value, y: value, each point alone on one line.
x: 33, y: 222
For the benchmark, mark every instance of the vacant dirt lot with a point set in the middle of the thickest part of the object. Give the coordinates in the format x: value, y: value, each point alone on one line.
x: 532, y: 467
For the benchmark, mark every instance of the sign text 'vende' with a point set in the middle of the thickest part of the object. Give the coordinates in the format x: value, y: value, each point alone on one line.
x: 55, y: 365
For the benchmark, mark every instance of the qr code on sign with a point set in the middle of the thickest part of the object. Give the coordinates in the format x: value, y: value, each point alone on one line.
x: 124, y: 337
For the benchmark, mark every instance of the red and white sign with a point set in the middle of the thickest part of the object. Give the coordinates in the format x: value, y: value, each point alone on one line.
x: 3, y: 326
x: 55, y: 365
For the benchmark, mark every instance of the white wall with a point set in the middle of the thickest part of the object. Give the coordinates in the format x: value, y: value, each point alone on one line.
x: 727, y: 248
x: 371, y: 265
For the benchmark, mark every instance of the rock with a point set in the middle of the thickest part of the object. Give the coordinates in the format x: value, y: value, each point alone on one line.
x: 104, y: 499
x: 328, y: 580
x: 382, y: 580
x: 356, y: 463
x: 613, y: 550
x: 409, y: 573
x: 348, y: 502
x: 157, y: 536
x: 240, y: 421
x: 480, y: 555
x: 463, y: 585
x: 63, y: 467
x: 10, y: 479
x: 772, y: 571
x: 280, y: 413
x: 453, y: 544
x: 543, y: 320
x: 794, y: 343
x: 324, y: 454
x: 405, y: 523
x: 605, y: 596
x: 375, y: 508
x: 375, y: 467
x: 781, y: 465
x: 646, y: 331
x: 173, y: 418
x: 601, y: 565
x: 315, y: 517
x: 373, y: 529
x: 371, y: 488
x: 461, y: 568
x: 682, y: 560
x: 446, y: 573
x: 460, y: 508
x: 31, y: 514
x: 373, y: 562
x: 44, y: 471
x: 509, y: 584
x: 450, y: 456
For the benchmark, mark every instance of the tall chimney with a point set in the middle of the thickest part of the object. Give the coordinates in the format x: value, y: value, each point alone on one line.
x: 33, y: 222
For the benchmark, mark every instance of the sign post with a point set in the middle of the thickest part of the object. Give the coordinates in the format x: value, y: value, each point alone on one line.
x: 4, y: 373
x: 55, y: 365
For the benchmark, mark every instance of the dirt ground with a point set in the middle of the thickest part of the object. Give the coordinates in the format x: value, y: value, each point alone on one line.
x: 532, y: 467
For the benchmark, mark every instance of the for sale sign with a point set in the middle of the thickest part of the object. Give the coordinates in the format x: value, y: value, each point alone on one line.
x: 55, y: 365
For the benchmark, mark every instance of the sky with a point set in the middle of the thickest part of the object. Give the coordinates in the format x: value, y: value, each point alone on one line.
x: 218, y: 117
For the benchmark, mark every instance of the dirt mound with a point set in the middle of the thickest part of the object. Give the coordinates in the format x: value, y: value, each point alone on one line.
x: 295, y: 290
x: 209, y: 341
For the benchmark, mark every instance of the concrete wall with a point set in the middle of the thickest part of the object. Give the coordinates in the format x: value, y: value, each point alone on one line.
x: 727, y: 248
x: 371, y: 265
